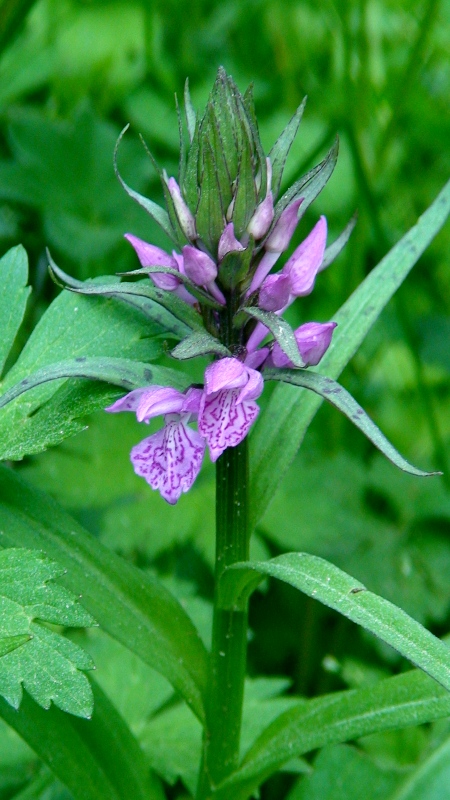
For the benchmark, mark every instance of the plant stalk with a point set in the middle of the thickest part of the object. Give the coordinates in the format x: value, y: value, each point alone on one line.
x: 229, y: 644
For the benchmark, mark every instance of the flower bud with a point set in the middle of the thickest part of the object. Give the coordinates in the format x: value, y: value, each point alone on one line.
x: 151, y: 256
x: 228, y: 242
x: 305, y: 261
x: 262, y: 218
x: 184, y: 214
x: 274, y: 293
x: 283, y: 230
x: 198, y: 266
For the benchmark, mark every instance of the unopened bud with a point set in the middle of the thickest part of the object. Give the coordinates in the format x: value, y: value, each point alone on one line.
x: 262, y: 218
x: 228, y: 242
x: 198, y: 266
x: 284, y: 228
x: 184, y: 214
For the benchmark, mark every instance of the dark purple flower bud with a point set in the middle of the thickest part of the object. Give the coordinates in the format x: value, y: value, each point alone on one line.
x: 228, y: 242
x: 184, y: 214
x: 284, y: 228
x: 151, y: 256
x: 313, y: 340
x: 274, y: 293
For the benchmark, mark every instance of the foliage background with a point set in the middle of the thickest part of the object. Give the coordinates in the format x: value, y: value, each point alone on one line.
x: 72, y: 74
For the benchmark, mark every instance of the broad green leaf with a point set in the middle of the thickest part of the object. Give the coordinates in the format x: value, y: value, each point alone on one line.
x: 9, y: 643
x: 280, y: 150
x: 281, y: 330
x: 119, y: 371
x: 329, y: 390
x: 96, y: 760
x: 324, y: 582
x: 132, y: 606
x: 13, y: 297
x: 47, y: 665
x: 430, y: 781
x: 199, y: 344
x: 282, y: 427
x: 408, y: 699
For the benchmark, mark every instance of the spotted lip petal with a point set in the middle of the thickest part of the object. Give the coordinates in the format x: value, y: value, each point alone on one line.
x: 170, y: 460
x: 225, y: 422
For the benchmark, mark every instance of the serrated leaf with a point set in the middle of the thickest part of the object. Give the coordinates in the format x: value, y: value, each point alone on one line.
x: 280, y: 150
x: 119, y: 371
x: 132, y: 606
x: 47, y: 665
x: 284, y: 422
x: 156, y: 212
x: 334, y: 588
x: 94, y: 759
x: 13, y: 297
x: 341, y: 399
x: 199, y: 344
x: 283, y: 333
x: 408, y: 699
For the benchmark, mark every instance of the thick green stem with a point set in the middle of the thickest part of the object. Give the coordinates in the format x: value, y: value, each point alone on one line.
x: 229, y: 646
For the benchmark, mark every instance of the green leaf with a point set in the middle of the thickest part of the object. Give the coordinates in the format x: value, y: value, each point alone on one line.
x: 13, y: 297
x: 281, y: 330
x: 145, y: 289
x: 10, y: 643
x: 130, y: 605
x: 119, y: 371
x: 408, y: 699
x: 280, y: 150
x: 47, y: 665
x: 199, y: 344
x: 282, y: 427
x: 333, y: 250
x: 189, y: 110
x: 97, y: 759
x: 430, y: 780
x: 334, y: 588
x: 195, y: 290
x: 156, y: 212
x: 310, y: 185
x: 341, y: 399
x: 210, y: 212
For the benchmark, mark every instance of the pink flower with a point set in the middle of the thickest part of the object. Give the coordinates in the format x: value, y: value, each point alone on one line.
x: 151, y: 256
x: 170, y: 459
x: 227, y: 406
x: 313, y: 340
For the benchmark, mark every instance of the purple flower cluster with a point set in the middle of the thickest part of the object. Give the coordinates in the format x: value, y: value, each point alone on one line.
x: 225, y: 408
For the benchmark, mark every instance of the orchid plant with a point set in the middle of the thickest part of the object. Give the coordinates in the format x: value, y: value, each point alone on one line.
x: 221, y: 293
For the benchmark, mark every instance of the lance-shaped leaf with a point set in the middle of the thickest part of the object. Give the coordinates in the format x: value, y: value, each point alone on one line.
x: 310, y: 185
x: 334, y: 588
x: 47, y: 665
x: 195, y: 290
x: 283, y: 333
x: 283, y: 424
x: 94, y: 759
x: 156, y: 212
x: 144, y: 289
x: 280, y: 150
x: 332, y: 252
x: 199, y: 344
x: 130, y: 605
x: 341, y: 399
x: 13, y: 297
x: 393, y: 703
x: 119, y: 371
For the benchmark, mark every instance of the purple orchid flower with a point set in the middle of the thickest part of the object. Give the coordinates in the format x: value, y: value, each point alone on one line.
x: 227, y: 407
x: 170, y: 459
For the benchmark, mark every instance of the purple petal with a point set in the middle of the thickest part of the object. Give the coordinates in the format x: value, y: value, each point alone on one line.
x: 253, y: 388
x: 257, y: 358
x: 170, y: 460
x: 151, y: 256
x: 284, y: 228
x: 262, y: 218
x: 224, y: 422
x: 198, y: 266
x: 305, y: 261
x: 313, y: 340
x: 226, y: 373
x: 131, y: 400
x: 192, y: 400
x: 228, y: 242
x: 184, y: 214
x: 263, y: 269
x: 274, y: 293
x: 159, y: 400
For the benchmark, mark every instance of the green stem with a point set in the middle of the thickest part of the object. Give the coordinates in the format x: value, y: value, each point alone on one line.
x: 229, y: 646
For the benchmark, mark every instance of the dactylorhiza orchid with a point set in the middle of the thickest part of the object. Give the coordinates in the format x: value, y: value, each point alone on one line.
x: 225, y: 407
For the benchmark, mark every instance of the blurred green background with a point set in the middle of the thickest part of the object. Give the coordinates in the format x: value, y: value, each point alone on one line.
x: 377, y: 72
